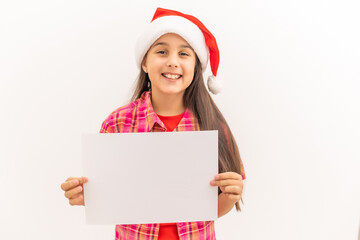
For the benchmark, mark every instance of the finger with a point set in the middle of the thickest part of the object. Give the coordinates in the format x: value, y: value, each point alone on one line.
x: 83, y: 180
x: 234, y: 197
x: 69, y: 184
x: 233, y: 190
x: 81, y: 194
x: 226, y: 182
x: 69, y: 194
x: 228, y: 175
x: 70, y: 178
x: 72, y: 182
x: 77, y: 201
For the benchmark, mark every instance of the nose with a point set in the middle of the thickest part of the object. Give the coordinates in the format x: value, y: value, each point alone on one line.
x: 173, y: 61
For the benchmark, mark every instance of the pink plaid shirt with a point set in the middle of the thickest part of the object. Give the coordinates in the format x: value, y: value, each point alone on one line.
x: 139, y: 116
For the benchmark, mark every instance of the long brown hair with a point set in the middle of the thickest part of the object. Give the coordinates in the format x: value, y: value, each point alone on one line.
x: 199, y: 101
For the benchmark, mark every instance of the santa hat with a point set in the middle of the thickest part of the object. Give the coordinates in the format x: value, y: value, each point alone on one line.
x: 189, y: 28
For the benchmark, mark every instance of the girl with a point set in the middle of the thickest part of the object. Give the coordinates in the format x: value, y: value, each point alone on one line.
x: 171, y: 96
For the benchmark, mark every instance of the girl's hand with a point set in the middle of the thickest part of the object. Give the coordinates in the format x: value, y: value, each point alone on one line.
x: 73, y: 188
x: 231, y: 185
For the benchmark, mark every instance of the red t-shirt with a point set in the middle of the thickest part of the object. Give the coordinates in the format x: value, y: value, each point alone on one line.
x: 168, y: 231
x: 171, y: 121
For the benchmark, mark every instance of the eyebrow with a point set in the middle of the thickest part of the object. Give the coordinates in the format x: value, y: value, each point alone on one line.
x: 165, y: 44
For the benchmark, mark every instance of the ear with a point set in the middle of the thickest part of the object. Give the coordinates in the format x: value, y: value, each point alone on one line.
x: 143, y: 65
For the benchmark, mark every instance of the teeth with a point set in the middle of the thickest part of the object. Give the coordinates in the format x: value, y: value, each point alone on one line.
x: 172, y: 76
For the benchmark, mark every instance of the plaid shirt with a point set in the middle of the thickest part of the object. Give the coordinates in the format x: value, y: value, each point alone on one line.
x: 139, y: 116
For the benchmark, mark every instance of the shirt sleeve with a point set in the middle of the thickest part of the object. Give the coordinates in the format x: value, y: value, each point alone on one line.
x: 106, y: 128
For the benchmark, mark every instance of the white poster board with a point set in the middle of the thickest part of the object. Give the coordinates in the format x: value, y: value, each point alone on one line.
x: 157, y: 177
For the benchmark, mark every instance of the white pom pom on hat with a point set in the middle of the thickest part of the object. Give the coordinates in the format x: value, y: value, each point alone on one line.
x: 214, y: 86
x: 189, y: 28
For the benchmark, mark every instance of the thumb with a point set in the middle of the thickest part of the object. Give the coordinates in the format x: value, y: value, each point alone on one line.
x: 83, y: 180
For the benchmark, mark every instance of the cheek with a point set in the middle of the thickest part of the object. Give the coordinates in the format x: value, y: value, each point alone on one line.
x: 190, y: 70
x: 153, y: 64
x: 189, y: 78
x: 189, y: 65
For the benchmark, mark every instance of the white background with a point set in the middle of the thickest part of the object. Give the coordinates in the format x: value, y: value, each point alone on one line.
x: 290, y: 71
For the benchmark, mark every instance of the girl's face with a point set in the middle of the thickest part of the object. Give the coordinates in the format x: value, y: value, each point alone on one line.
x: 170, y: 64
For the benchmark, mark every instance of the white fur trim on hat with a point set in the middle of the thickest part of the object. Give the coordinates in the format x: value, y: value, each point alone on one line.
x: 172, y: 24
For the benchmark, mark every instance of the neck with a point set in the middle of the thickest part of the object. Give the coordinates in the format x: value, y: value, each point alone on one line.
x: 167, y: 104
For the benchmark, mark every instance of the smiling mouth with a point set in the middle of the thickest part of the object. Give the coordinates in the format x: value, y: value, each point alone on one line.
x: 171, y: 76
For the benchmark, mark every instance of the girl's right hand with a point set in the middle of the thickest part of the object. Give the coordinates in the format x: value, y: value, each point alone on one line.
x: 74, y: 190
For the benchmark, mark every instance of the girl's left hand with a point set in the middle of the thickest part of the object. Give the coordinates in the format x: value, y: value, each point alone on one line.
x: 230, y: 183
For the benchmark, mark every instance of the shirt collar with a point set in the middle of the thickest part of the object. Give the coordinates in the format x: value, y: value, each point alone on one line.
x: 150, y: 114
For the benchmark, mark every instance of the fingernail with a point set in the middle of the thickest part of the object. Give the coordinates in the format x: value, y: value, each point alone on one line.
x: 79, y: 189
x: 75, y: 182
x: 217, y: 177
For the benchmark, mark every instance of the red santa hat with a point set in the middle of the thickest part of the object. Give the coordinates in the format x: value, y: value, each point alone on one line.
x: 192, y: 30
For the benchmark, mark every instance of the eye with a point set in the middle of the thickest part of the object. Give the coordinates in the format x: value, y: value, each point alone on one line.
x: 184, y: 54
x: 161, y: 52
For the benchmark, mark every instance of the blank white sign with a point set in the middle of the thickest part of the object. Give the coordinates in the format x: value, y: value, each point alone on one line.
x: 157, y: 177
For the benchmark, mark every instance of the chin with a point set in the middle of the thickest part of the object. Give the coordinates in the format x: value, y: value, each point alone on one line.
x: 172, y: 91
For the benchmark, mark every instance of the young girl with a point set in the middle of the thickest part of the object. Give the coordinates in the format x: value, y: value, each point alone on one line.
x: 171, y: 96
